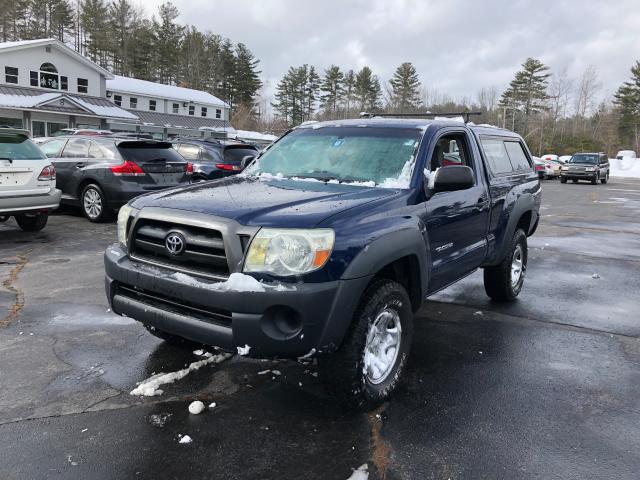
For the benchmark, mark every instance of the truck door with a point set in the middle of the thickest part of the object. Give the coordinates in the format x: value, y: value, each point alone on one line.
x: 456, y: 221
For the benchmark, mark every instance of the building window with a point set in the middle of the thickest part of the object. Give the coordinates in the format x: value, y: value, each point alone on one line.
x: 192, y: 109
x: 176, y: 108
x: 49, y: 77
x: 133, y: 102
x: 117, y: 99
x: 203, y: 112
x: 218, y: 113
x: 152, y: 105
x: 83, y: 85
x: 11, y: 74
x: 64, y: 83
x: 33, y: 78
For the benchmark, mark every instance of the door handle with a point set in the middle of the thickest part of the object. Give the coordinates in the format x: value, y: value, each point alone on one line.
x: 80, y: 164
x: 480, y: 204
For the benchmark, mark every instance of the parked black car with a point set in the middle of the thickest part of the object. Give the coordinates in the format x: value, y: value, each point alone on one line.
x: 586, y: 166
x: 212, y: 158
x: 101, y: 174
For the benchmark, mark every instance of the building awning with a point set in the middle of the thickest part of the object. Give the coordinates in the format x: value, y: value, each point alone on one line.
x: 61, y: 102
x: 170, y: 120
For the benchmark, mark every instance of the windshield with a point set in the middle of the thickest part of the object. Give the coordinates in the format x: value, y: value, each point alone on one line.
x: 19, y: 147
x: 373, y: 155
x: 584, y: 158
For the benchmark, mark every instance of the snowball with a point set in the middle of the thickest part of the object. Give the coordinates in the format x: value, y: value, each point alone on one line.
x: 185, y: 439
x: 196, y: 407
x: 244, y: 350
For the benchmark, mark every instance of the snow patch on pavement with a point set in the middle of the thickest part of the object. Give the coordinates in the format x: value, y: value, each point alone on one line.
x: 360, y: 473
x: 196, y: 407
x: 150, y: 386
x: 244, y: 350
x: 184, y: 439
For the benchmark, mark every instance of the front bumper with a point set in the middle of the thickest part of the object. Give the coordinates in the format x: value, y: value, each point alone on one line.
x: 579, y: 175
x: 30, y: 203
x: 230, y: 319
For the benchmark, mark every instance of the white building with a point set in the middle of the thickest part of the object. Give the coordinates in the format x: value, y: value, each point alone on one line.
x: 46, y: 86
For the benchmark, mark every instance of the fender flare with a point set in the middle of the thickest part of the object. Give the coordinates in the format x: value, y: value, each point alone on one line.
x: 524, y: 204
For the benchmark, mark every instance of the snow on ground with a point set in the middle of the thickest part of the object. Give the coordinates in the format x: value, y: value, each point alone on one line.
x: 244, y: 350
x: 361, y: 473
x: 627, y: 167
x: 150, y: 386
x: 196, y: 407
x: 185, y: 439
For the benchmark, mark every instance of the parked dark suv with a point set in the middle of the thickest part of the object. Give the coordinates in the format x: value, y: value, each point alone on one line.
x: 586, y: 166
x: 101, y: 174
x: 212, y: 158
x: 328, y: 243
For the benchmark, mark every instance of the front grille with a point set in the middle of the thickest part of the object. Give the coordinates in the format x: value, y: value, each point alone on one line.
x: 200, y: 312
x: 204, y: 252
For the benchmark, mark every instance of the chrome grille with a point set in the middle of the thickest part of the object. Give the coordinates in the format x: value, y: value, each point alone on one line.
x: 204, y: 251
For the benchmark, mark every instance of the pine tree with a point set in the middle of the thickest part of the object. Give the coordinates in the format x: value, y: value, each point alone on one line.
x: 14, y: 19
x: 527, y: 92
x: 332, y: 89
x: 367, y: 90
x: 225, y: 72
x: 50, y: 19
x: 627, y: 101
x: 142, y: 55
x: 169, y: 35
x: 246, y: 77
x: 123, y: 20
x: 296, y: 95
x: 405, y: 88
x: 94, y: 16
x: 349, y: 86
x: 312, y: 88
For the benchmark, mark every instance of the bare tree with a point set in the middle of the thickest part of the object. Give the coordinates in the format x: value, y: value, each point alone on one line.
x: 488, y: 98
x: 587, y: 91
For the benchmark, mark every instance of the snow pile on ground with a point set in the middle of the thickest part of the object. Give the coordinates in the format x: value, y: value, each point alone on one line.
x: 627, y: 167
x: 361, y: 473
x: 150, y: 386
x: 196, y: 407
x: 185, y: 439
x: 244, y: 350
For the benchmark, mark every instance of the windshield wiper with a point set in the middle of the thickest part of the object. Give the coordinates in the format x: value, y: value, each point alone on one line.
x: 7, y: 158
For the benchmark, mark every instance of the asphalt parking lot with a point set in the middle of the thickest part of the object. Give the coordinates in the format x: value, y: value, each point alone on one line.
x: 546, y: 387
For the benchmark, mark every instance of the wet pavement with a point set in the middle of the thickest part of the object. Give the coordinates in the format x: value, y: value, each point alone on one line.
x: 546, y: 387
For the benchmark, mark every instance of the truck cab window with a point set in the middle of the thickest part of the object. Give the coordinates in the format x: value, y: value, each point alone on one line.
x: 450, y: 150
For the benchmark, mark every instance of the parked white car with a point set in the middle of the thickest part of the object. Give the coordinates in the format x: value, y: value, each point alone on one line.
x: 626, y: 154
x: 27, y: 181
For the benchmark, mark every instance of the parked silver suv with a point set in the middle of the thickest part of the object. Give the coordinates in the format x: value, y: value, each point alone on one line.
x: 100, y: 174
x: 27, y: 181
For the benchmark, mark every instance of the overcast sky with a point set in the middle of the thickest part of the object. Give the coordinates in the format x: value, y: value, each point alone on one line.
x: 458, y: 46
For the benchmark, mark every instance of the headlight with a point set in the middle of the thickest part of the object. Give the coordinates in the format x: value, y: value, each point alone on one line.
x: 123, y: 216
x: 564, y: 168
x: 289, y: 251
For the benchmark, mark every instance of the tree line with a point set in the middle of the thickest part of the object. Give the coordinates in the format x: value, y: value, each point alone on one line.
x: 121, y: 38
x: 554, y: 113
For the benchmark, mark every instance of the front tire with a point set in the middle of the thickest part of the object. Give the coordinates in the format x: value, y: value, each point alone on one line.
x: 503, y: 282
x: 94, y: 204
x: 563, y: 180
x: 605, y: 179
x: 368, y: 365
x: 595, y: 179
x: 32, y: 223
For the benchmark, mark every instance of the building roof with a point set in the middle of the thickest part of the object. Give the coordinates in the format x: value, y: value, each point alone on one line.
x: 152, y: 89
x: 180, y: 121
x: 61, y: 102
x: 25, y: 44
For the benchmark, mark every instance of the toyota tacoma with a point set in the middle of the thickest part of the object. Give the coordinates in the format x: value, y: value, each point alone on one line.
x: 328, y: 243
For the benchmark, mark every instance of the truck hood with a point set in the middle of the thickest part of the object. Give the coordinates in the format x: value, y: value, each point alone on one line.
x: 270, y: 203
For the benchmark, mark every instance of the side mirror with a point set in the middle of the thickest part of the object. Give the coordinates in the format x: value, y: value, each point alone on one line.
x: 244, y: 163
x: 452, y: 178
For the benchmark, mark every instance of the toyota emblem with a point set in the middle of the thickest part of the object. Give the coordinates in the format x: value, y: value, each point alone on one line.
x: 175, y: 243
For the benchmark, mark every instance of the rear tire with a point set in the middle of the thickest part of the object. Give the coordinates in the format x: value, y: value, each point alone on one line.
x: 94, y: 204
x: 503, y: 282
x: 368, y: 366
x: 574, y: 181
x: 605, y: 179
x: 32, y: 223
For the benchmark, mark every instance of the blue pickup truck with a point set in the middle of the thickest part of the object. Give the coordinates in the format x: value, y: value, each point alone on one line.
x: 328, y: 243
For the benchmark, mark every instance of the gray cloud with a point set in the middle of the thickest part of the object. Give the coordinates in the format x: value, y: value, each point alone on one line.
x: 458, y: 46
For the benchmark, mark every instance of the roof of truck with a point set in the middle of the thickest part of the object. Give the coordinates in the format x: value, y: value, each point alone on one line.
x: 419, y: 123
